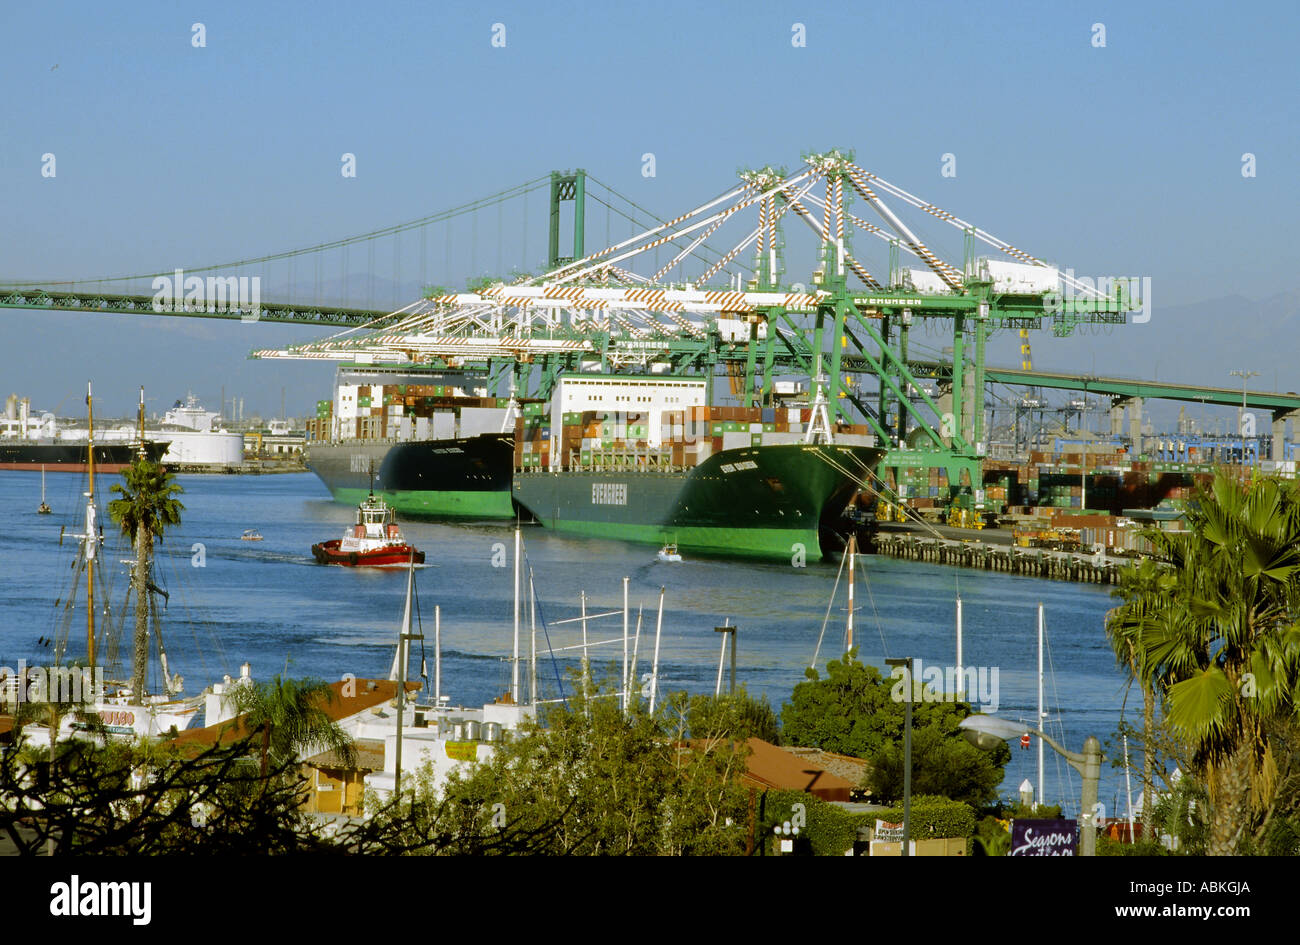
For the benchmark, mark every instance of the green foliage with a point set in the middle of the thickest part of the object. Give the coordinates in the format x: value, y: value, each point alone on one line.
x: 156, y: 798
x: 740, y: 716
x: 829, y: 830
x: 941, y: 765
x: 1182, y: 814
x: 591, y: 779
x: 146, y: 499
x: 992, y: 837
x: 1109, y: 847
x: 854, y: 711
x: 934, y: 817
x: 1215, y: 638
x: 290, y: 717
x: 479, y: 283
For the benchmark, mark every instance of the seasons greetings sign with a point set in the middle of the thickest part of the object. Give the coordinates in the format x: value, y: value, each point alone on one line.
x: 1044, y: 837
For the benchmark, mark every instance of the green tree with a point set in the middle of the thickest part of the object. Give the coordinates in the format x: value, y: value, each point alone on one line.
x: 290, y: 716
x: 853, y: 711
x: 735, y: 716
x: 942, y: 765
x: 607, y: 782
x: 1219, y: 642
x: 146, y: 508
x: 1143, y: 587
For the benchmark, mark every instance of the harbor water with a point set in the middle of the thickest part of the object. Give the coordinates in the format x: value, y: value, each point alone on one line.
x: 268, y: 603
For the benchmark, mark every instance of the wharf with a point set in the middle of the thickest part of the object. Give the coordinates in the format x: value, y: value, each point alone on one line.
x: 1096, y: 568
x: 246, y: 468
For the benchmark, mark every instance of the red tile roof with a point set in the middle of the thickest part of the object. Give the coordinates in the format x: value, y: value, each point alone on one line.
x: 770, y: 766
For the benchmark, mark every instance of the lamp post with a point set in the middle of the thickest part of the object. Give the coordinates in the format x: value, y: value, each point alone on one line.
x: 1241, y: 417
x: 985, y: 731
x: 906, y: 663
x: 785, y: 834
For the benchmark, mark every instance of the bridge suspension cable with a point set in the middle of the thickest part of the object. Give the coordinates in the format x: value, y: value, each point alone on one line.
x: 519, y: 190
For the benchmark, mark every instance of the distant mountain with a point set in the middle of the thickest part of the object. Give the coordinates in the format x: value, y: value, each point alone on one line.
x: 1197, y: 343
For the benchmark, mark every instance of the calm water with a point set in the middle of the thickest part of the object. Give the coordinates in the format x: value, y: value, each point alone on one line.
x: 268, y: 603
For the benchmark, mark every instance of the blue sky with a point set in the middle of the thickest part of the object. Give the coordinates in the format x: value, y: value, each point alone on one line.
x: 1123, y: 159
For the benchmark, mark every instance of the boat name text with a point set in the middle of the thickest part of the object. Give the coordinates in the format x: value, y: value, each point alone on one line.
x: 740, y: 466
x: 609, y: 493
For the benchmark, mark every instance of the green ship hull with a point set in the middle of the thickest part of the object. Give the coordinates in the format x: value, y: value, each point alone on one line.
x: 774, y: 502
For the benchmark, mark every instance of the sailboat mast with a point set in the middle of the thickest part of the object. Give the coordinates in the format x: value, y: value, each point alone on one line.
x: 654, y: 667
x: 90, y: 530
x: 853, y: 547
x: 960, y: 679
x: 437, y: 655
x: 532, y: 647
x: 1041, y: 799
x: 141, y: 421
x: 400, y: 675
x: 514, y: 662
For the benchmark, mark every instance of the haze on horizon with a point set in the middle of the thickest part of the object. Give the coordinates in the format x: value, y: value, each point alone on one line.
x: 1125, y: 158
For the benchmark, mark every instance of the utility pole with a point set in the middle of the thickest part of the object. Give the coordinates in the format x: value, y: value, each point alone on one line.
x: 1241, y: 417
x: 906, y: 663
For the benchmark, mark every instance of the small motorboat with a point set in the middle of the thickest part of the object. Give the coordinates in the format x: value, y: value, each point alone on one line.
x: 251, y: 534
x: 669, y: 553
x: 373, y: 541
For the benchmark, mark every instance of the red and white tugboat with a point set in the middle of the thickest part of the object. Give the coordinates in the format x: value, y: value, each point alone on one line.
x: 374, y: 541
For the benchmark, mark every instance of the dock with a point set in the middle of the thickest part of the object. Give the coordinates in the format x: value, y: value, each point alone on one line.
x: 1096, y: 568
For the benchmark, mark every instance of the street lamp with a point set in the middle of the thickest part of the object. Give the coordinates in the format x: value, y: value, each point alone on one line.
x: 1241, y: 417
x: 785, y: 834
x: 985, y: 731
x: 906, y: 663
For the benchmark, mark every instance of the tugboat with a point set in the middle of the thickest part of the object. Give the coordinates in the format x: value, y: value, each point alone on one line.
x: 669, y: 553
x: 374, y: 541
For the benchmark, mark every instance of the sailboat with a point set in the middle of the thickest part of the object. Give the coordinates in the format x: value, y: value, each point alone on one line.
x: 44, y: 509
x: 121, y: 713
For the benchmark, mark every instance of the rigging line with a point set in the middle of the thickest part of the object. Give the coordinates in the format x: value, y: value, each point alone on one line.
x: 652, y: 216
x: 419, y: 622
x: 827, y: 618
x: 1065, y: 777
x: 673, y: 240
x: 508, y: 193
x: 866, y: 580
x: 542, y: 617
x: 842, y: 470
x: 219, y: 655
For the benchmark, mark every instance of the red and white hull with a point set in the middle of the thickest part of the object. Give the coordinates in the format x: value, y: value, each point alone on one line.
x: 388, y: 556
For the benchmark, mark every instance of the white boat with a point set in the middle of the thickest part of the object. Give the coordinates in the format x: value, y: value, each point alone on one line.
x: 669, y: 553
x: 251, y: 534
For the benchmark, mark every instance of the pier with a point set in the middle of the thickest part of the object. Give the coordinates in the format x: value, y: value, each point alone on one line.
x: 1095, y: 568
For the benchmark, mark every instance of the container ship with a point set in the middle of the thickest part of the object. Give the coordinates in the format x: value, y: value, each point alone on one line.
x: 70, y: 455
x: 430, y: 443
x: 664, y: 468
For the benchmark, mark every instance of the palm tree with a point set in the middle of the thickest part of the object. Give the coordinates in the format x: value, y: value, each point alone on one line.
x: 290, y: 715
x: 1219, y: 642
x: 145, y: 509
x: 1145, y: 588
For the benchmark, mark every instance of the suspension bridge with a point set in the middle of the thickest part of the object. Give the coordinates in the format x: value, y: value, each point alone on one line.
x: 887, y: 274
